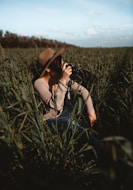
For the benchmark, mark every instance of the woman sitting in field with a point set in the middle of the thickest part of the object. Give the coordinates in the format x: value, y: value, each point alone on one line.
x: 53, y: 86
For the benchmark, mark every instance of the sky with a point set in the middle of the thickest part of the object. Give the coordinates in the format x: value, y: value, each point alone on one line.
x: 84, y: 23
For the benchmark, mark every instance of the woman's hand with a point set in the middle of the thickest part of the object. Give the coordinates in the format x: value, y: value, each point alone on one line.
x: 66, y: 73
x: 92, y: 118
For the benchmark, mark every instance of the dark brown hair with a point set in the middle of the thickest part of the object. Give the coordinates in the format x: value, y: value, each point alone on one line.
x: 56, y: 65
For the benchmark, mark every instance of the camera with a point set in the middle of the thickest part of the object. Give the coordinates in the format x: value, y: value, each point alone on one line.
x: 74, y: 69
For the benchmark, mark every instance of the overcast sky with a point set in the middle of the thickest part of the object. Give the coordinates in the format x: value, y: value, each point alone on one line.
x: 86, y: 23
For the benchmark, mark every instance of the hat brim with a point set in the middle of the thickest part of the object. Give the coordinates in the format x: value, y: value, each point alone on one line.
x: 59, y: 52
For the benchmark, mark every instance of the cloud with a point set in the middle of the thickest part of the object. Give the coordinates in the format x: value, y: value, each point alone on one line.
x: 101, y: 36
x: 100, y: 30
x: 105, y: 41
x: 41, y: 35
x: 91, y: 31
x: 54, y: 29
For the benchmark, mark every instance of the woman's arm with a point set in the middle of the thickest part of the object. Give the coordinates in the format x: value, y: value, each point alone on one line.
x: 88, y: 101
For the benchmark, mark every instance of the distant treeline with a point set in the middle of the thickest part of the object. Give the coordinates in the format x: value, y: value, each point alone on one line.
x: 12, y: 40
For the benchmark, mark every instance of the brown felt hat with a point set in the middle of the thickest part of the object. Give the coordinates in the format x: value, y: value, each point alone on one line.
x: 47, y: 56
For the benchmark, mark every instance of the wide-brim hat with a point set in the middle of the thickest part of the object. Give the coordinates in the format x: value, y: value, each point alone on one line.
x: 46, y: 57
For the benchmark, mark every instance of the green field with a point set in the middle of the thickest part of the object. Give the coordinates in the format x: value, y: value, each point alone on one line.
x: 33, y: 157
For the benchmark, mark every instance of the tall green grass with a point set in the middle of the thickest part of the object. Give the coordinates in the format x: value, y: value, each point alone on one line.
x: 46, y: 156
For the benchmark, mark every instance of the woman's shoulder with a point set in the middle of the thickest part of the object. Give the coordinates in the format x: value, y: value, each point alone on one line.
x: 39, y: 82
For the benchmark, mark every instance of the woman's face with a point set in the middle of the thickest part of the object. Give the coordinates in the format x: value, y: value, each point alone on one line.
x: 62, y: 63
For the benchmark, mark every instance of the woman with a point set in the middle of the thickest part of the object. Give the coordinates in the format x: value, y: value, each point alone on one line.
x: 53, y: 86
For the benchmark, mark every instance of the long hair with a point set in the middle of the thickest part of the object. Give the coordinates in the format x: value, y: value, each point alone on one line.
x: 56, y: 65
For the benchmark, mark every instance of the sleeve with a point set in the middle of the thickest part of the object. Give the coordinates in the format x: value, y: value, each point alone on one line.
x: 54, y: 101
x: 86, y: 96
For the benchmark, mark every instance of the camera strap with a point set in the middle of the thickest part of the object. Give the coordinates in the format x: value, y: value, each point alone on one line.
x: 69, y: 90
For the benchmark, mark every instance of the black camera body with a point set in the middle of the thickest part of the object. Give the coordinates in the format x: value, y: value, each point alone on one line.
x: 74, y: 69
